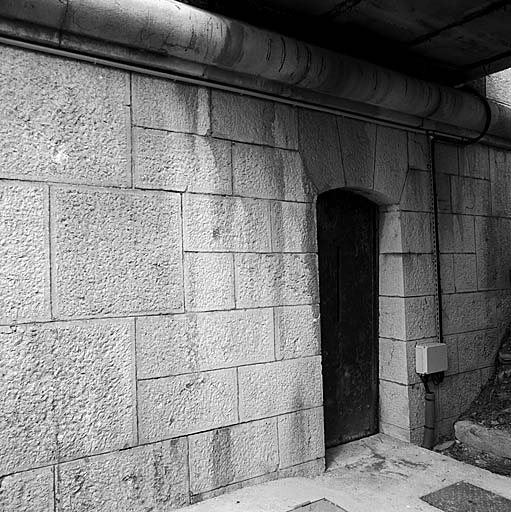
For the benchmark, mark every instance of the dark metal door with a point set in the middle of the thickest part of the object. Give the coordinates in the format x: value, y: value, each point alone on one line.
x: 347, y: 244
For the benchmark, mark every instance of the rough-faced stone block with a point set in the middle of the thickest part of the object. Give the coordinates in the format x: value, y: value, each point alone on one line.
x: 175, y: 406
x: 213, y: 223
x: 457, y: 392
x: 270, y: 173
x: 209, y: 281
x: 247, y: 119
x: 498, y: 86
x: 358, y: 141
x: 465, y: 272
x: 447, y: 273
x: 418, y: 151
x: 418, y: 274
x: 397, y: 361
x: 67, y: 391
x: 276, y: 279
x: 466, y: 312
x: 293, y: 227
x: 500, y: 182
x: 301, y: 437
x: 446, y: 158
x: 470, y: 196
x: 474, y: 161
x: 297, y: 331
x: 477, y: 349
x: 390, y: 233
x: 177, y: 344
x: 63, y: 120
x: 31, y: 491
x: 229, y: 455
x: 320, y: 149
x: 152, y: 477
x: 306, y: 470
x: 298, y: 382
x: 391, y: 275
x: 452, y: 353
x: 24, y: 253
x: 416, y: 194
x: 416, y: 232
x: 167, y: 105
x: 443, y: 192
x: 116, y: 252
x: 181, y: 162
x: 392, y: 319
x: 493, y: 252
x: 391, y: 162
x: 394, y: 404
x: 456, y: 233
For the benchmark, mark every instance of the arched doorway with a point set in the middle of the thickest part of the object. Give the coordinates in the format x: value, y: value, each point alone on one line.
x: 348, y: 279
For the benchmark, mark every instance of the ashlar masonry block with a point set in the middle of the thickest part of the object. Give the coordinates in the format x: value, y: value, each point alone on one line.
x: 222, y: 224
x: 116, y: 252
x: 276, y: 279
x: 456, y: 233
x: 298, y: 381
x: 24, y: 253
x: 233, y: 454
x: 391, y: 162
x: 181, y: 162
x: 152, y: 477
x: 465, y: 312
x: 167, y: 105
x: 31, y: 491
x: 293, y: 227
x: 418, y: 152
x: 209, y: 281
x: 320, y: 149
x: 60, y: 399
x: 475, y: 161
x: 358, y: 142
x: 176, y: 344
x: 470, y: 196
x: 184, y: 404
x: 297, y: 331
x: 63, y: 120
x: 270, y: 173
x: 245, y: 119
x: 416, y: 194
x: 301, y: 437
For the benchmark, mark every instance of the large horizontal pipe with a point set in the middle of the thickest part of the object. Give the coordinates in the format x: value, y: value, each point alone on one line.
x: 170, y: 35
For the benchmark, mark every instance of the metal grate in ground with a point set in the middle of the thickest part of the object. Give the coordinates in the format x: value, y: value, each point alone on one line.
x: 465, y: 497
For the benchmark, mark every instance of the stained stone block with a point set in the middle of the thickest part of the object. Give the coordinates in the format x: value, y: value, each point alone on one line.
x: 246, y: 119
x: 24, y: 253
x: 358, y: 142
x: 301, y: 437
x: 181, y: 162
x: 293, y: 227
x: 152, y: 477
x: 320, y: 149
x: 116, y: 252
x: 176, y: 344
x: 456, y: 233
x: 270, y: 173
x: 465, y: 312
x: 298, y: 382
x: 167, y: 105
x: 175, y: 406
x: 276, y: 279
x: 63, y: 120
x: 61, y: 399
x: 232, y: 454
x: 214, y: 223
x: 470, y: 196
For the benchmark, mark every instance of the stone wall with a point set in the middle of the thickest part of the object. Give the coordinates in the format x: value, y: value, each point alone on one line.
x: 159, y: 316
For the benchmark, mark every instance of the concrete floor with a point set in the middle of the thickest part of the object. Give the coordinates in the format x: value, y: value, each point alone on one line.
x: 377, y: 474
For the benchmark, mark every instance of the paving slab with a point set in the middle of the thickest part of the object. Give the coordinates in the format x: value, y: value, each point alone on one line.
x: 378, y: 473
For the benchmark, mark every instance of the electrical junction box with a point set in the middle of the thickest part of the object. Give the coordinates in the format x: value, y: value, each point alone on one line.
x: 431, y: 358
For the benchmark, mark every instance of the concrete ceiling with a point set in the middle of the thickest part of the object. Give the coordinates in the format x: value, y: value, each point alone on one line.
x: 449, y: 41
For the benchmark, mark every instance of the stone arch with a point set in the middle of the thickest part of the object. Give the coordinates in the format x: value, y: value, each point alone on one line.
x: 389, y: 166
